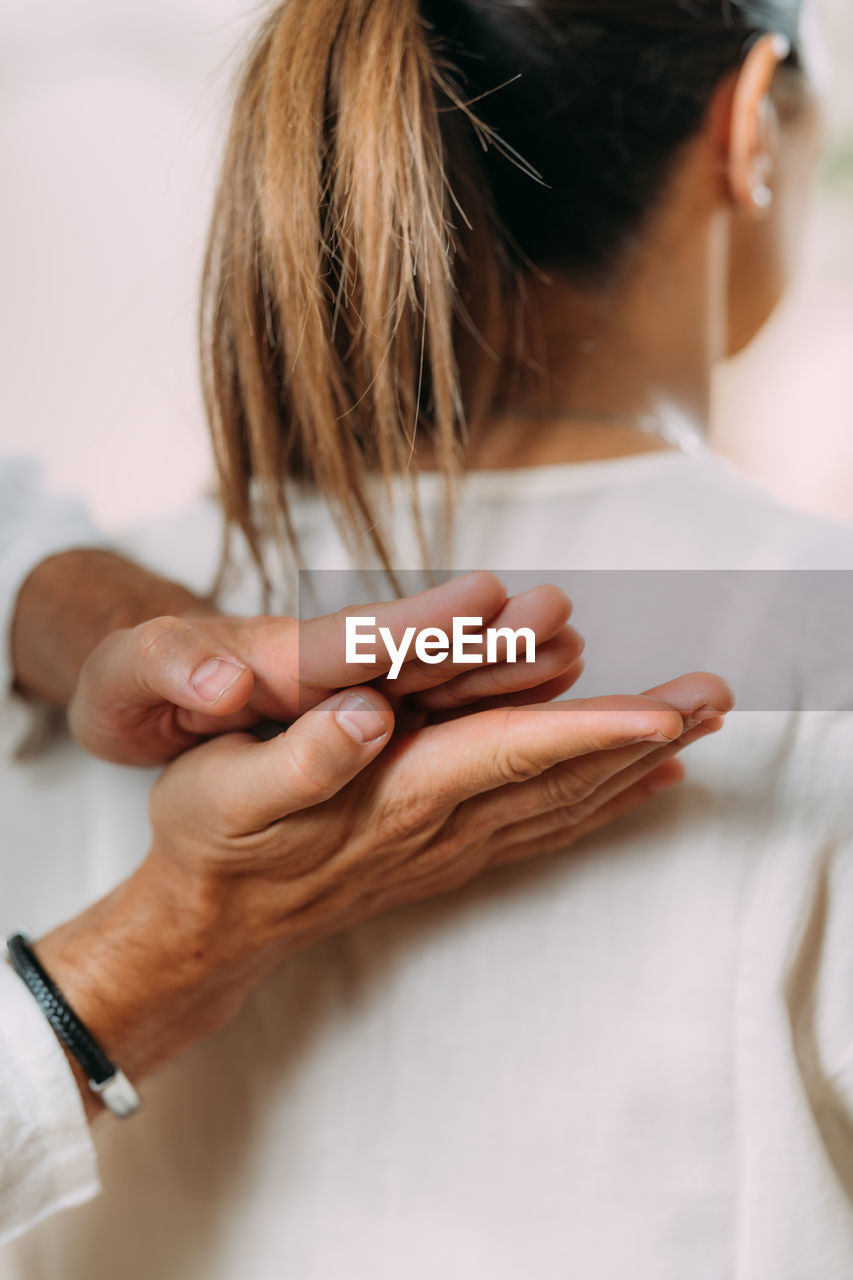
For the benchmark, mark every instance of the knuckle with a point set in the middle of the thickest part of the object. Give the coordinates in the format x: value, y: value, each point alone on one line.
x: 518, y: 765
x: 157, y: 637
x: 564, y: 787
x: 575, y: 814
x: 409, y: 818
x: 447, y: 860
x: 310, y: 775
x: 395, y: 844
x: 567, y: 817
x: 514, y: 761
x: 446, y: 851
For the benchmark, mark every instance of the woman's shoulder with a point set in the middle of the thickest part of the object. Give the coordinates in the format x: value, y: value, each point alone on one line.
x: 656, y: 511
x: 785, y: 536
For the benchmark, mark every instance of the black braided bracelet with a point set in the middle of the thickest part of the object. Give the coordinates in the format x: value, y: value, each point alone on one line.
x: 105, y: 1079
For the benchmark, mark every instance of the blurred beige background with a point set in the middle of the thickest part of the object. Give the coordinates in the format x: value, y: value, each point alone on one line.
x: 783, y: 408
x: 111, y: 112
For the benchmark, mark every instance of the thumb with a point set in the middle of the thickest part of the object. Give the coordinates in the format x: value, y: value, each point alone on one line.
x: 488, y: 749
x: 262, y: 782
x: 123, y: 708
x: 166, y: 660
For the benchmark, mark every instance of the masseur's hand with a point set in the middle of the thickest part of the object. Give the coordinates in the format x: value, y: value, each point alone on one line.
x: 261, y: 848
x: 147, y: 693
x: 151, y: 668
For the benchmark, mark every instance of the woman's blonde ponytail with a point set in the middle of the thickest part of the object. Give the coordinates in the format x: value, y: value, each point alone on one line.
x: 328, y: 305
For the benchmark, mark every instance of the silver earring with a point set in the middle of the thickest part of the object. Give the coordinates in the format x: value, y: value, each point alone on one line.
x: 762, y: 196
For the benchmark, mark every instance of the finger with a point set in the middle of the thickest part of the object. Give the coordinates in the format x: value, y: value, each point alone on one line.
x: 521, y: 846
x: 573, y: 781
x: 477, y: 753
x: 258, y: 783
x: 447, y: 872
x: 173, y: 661
x: 583, y: 801
x: 544, y: 610
x: 297, y: 665
x: 553, y: 659
x: 694, y: 692
x: 132, y: 683
x: 634, y: 772
x: 542, y: 693
x: 169, y: 660
x: 523, y: 698
x: 322, y: 641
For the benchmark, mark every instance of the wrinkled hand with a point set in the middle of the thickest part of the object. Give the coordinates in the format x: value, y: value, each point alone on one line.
x: 288, y: 852
x: 147, y: 693
x: 261, y: 848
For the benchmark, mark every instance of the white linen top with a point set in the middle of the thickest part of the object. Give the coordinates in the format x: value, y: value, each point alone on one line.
x: 631, y: 1062
x: 46, y: 1157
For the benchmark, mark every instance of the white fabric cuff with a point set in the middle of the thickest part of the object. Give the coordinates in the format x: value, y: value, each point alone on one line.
x: 49, y: 1160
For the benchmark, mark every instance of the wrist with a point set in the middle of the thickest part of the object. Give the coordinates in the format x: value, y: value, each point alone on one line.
x: 79, y: 597
x: 142, y: 969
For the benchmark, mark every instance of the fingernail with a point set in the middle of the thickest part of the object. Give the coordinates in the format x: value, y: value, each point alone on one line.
x: 656, y: 737
x: 359, y: 719
x: 215, y: 677
x: 704, y: 713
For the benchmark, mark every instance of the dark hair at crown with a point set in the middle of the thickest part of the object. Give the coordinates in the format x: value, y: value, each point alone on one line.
x: 587, y: 103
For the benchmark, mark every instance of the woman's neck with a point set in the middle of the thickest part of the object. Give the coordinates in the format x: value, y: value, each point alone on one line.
x: 515, y: 440
x: 602, y: 364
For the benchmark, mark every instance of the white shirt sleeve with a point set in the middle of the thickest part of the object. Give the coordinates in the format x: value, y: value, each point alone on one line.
x: 47, y: 1158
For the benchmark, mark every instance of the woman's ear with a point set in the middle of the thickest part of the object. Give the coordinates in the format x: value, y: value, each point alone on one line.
x: 753, y: 127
